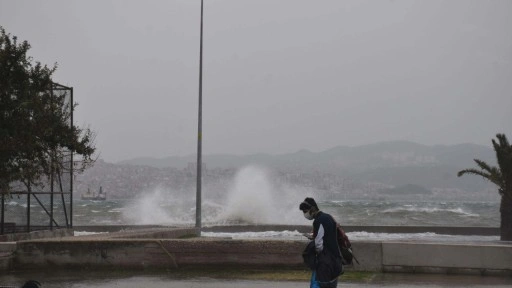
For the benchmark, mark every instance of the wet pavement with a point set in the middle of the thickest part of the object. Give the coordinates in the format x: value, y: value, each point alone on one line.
x: 59, y: 279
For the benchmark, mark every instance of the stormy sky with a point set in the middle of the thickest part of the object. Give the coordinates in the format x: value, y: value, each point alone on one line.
x: 279, y: 75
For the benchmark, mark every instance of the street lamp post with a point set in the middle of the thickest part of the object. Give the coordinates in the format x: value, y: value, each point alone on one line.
x: 199, y: 128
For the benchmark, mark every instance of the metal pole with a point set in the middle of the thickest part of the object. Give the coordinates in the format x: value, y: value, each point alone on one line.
x: 71, y: 167
x: 52, y: 190
x: 2, y: 220
x: 28, y: 204
x: 199, y: 128
x: 52, y: 170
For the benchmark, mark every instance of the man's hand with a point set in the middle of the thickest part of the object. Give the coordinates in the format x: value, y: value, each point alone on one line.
x: 308, y: 235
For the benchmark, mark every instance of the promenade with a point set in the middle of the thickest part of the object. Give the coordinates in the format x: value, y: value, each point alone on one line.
x: 82, y: 279
x: 173, y: 257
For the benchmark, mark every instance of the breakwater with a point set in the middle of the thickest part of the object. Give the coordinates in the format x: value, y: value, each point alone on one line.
x: 172, y: 248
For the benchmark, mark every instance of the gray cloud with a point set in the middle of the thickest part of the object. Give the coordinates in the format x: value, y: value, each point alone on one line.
x: 279, y: 76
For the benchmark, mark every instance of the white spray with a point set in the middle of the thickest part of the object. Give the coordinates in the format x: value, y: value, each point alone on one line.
x: 254, y: 199
x: 251, y: 198
x: 158, y: 207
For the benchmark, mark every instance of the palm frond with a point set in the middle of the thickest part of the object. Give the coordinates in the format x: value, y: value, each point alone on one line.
x: 484, y: 166
x: 503, y: 140
x: 474, y: 172
x: 494, y: 176
x: 503, y: 155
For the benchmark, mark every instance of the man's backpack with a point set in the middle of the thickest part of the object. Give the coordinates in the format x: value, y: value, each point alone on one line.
x: 345, y: 246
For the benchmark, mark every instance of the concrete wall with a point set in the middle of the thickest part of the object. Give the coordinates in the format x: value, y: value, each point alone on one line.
x: 162, y: 248
x: 167, y: 253
x: 447, y: 258
x: 484, y: 231
x: 7, y: 250
x: 42, y: 234
x: 477, y: 258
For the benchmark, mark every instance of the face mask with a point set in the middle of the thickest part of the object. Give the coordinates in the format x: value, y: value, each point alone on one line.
x: 308, y: 215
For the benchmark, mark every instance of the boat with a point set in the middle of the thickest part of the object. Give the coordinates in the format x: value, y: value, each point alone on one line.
x: 101, y: 196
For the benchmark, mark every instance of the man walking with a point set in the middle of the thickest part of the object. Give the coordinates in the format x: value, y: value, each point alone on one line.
x: 328, y: 256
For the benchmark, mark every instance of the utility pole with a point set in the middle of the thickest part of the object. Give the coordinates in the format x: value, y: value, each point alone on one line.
x: 199, y: 128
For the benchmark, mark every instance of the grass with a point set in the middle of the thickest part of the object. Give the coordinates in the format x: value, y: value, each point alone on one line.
x: 278, y: 274
x: 197, y: 272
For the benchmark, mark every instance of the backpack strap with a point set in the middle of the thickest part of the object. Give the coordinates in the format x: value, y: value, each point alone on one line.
x: 336, y: 235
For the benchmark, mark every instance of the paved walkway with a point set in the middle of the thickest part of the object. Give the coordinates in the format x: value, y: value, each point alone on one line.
x: 62, y: 279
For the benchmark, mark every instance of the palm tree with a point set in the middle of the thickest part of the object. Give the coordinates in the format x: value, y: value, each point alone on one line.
x: 502, y: 177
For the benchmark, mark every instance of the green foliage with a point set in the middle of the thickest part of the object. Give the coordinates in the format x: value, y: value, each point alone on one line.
x: 35, y: 129
x: 501, y: 175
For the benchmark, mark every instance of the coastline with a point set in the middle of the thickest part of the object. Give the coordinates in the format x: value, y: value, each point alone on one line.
x: 166, y: 249
x: 196, y: 277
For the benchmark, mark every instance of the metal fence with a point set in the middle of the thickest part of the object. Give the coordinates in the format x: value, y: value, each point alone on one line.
x: 48, y: 207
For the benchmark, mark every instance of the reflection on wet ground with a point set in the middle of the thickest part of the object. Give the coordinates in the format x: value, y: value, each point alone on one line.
x: 78, y: 279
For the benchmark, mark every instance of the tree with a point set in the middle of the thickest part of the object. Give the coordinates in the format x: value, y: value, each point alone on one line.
x: 502, y: 177
x: 35, y: 124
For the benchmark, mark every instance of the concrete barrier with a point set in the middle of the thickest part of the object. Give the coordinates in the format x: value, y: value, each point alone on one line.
x: 166, y: 254
x: 369, y: 255
x: 160, y: 248
x: 173, y: 253
x: 41, y: 234
x: 447, y: 230
x: 7, y: 250
x: 477, y: 258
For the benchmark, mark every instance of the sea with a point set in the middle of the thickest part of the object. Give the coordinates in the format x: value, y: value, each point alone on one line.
x: 253, y: 197
x: 157, y: 210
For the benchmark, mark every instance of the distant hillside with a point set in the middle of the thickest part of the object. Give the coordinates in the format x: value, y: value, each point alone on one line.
x: 391, y: 163
x: 359, y: 158
x: 391, y: 169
